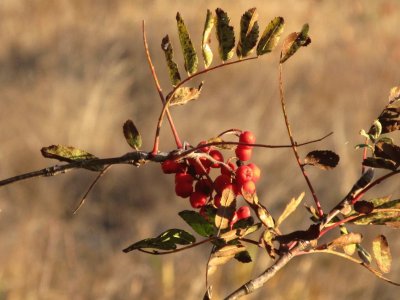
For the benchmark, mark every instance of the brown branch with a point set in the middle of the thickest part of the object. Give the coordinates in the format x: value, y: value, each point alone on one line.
x: 294, y: 145
x: 259, y: 281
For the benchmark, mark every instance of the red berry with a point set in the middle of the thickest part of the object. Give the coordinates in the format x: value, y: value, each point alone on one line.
x: 221, y: 182
x: 248, y: 187
x: 183, y: 178
x: 204, y: 186
x: 183, y: 189
x: 170, y: 166
x: 228, y: 171
x: 217, y: 156
x: 256, y: 172
x: 243, y: 212
x: 247, y: 137
x: 243, y: 153
x: 203, y: 149
x: 243, y: 174
x: 198, y: 199
x: 217, y: 200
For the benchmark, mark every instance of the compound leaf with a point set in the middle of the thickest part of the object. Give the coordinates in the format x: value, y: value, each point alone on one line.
x: 189, y: 53
x: 205, y: 43
x: 174, y: 75
x: 270, y: 36
x: 132, y: 135
x: 248, y: 33
x: 225, y: 35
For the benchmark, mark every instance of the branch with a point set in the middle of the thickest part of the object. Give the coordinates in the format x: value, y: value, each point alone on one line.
x: 258, y: 282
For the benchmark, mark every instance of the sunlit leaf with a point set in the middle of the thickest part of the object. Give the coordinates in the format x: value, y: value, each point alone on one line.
x: 69, y: 154
x: 345, y: 240
x: 174, y: 75
x: 270, y: 36
x: 387, y: 217
x: 349, y: 249
x: 293, y: 42
x: 222, y: 256
x: 205, y: 43
x: 248, y: 33
x: 381, y: 250
x: 323, y: 159
x: 378, y: 202
x: 267, y: 242
x: 167, y: 240
x: 289, y: 209
x: 184, y: 94
x: 132, y: 135
x: 225, y: 35
x: 226, y: 210
x: 198, y: 223
x: 394, y: 94
x: 189, y: 53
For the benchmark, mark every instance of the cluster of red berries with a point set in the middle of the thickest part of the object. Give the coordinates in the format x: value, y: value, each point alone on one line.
x: 193, y: 181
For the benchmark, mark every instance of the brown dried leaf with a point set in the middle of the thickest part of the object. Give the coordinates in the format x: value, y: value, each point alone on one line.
x: 345, y: 240
x: 381, y: 250
x: 184, y: 94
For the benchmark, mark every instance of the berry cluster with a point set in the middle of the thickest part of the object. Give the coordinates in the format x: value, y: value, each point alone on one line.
x: 193, y: 175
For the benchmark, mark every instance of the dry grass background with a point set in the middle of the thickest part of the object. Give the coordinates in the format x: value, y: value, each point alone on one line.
x: 72, y: 71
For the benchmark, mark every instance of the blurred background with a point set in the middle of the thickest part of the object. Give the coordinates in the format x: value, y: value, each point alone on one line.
x: 72, y: 72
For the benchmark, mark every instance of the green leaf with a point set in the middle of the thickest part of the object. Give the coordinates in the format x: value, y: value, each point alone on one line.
x: 388, y: 218
x: 289, y: 209
x: 270, y: 36
x: 381, y: 251
x: 248, y: 33
x: 293, y: 42
x: 174, y: 75
x: 379, y: 202
x: 205, y: 43
x: 69, y: 154
x: 198, y: 223
x: 189, y: 53
x: 132, y: 135
x: 184, y: 94
x: 226, y: 210
x: 168, y: 240
x: 225, y: 35
x: 364, y: 254
x: 378, y: 162
x: 323, y: 159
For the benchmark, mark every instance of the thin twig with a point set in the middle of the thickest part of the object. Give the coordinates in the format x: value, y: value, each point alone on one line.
x: 160, y: 93
x: 294, y: 145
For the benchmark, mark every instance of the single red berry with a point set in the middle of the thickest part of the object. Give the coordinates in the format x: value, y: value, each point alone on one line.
x: 170, y: 166
x: 198, y: 199
x: 243, y: 153
x: 183, y: 178
x: 227, y: 170
x: 243, y: 212
x: 247, y: 137
x: 204, y: 186
x: 221, y: 182
x: 248, y: 187
x: 217, y: 156
x: 217, y: 200
x: 243, y: 174
x: 256, y: 172
x: 204, y: 149
x: 183, y: 189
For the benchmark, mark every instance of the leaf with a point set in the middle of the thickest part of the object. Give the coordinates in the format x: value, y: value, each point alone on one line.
x: 290, y: 207
x: 390, y: 116
x: 189, y: 53
x: 198, y: 223
x: 222, y: 146
x: 243, y: 257
x: 184, y: 94
x: 205, y: 43
x: 323, y: 159
x: 223, y: 255
x: 270, y: 36
x: 165, y: 241
x: 381, y: 251
x: 174, y: 75
x: 394, y: 94
x: 226, y: 210
x: 388, y: 151
x: 69, y: 154
x: 293, y: 42
x: 345, y: 240
x: 132, y: 135
x: 381, y: 163
x: 388, y: 218
x: 225, y: 35
x: 248, y: 33
x: 377, y: 130
x: 267, y: 242
x: 378, y: 202
x: 349, y: 249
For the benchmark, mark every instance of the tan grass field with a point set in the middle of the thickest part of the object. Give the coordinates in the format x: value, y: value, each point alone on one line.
x: 72, y: 72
